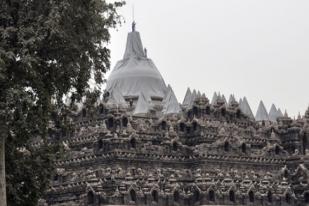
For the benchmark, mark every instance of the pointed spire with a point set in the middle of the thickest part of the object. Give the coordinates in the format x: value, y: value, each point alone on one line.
x: 171, y: 105
x: 273, y: 113
x: 280, y: 114
x: 142, y: 106
x: 240, y: 101
x: 187, y: 98
x: 224, y: 99
x: 193, y: 97
x: 134, y: 46
x: 214, y: 98
x: 261, y: 114
x: 245, y: 107
x: 194, y: 94
x: 231, y: 99
x: 286, y: 113
x: 169, y: 88
x: 199, y: 94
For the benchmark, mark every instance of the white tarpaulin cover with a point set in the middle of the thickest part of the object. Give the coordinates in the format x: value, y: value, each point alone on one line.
x: 171, y: 105
x: 240, y: 101
x: 169, y: 89
x: 245, y: 107
x: 187, y: 98
x: 136, y: 73
x: 116, y: 99
x: 142, y: 106
x: 214, y: 98
x: 273, y: 113
x: 280, y: 114
x: 192, y: 98
x: 261, y: 114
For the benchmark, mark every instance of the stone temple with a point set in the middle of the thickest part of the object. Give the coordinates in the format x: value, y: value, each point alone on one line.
x: 139, y: 146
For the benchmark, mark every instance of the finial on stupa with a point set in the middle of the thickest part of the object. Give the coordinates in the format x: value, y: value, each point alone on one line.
x: 145, y: 51
x: 133, y: 26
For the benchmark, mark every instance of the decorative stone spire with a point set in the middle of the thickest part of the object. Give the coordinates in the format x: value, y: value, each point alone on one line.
x: 261, y: 114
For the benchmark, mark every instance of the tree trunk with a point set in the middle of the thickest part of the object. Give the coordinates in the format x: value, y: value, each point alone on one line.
x: 2, y: 170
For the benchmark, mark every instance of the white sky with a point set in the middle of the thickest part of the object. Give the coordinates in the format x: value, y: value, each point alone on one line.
x: 253, y: 48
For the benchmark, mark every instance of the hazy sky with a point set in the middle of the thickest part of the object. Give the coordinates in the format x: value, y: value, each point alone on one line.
x: 253, y: 48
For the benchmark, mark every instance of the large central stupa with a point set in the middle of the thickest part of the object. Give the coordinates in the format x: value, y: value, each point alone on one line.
x: 136, y: 74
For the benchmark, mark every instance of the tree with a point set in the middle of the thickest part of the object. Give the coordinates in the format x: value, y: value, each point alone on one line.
x: 48, y: 48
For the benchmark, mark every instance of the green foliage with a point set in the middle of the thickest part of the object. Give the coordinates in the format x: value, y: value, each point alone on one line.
x: 47, y: 49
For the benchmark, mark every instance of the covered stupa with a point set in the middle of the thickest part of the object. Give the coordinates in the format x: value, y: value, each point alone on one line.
x: 136, y: 73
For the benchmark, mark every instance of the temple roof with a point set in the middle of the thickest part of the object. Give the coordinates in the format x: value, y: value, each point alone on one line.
x: 136, y: 73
